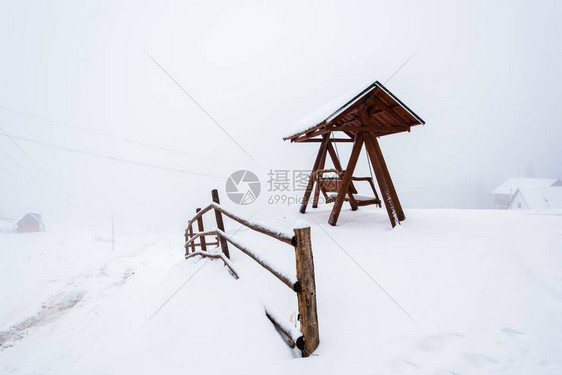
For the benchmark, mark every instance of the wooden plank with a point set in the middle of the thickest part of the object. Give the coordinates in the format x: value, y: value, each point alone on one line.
x: 306, y: 296
x: 294, y: 286
x: 291, y: 341
x: 284, y: 237
x: 368, y: 129
x: 216, y: 256
x: 309, y: 186
x: 190, y: 234
x: 385, y: 192
x: 338, y: 167
x: 320, y: 167
x: 381, y: 177
x: 390, y: 184
x: 391, y: 113
x: 220, y: 223
x: 319, y: 140
x: 346, y: 179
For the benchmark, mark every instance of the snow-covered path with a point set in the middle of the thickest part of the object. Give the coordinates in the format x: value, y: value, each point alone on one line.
x: 483, y: 289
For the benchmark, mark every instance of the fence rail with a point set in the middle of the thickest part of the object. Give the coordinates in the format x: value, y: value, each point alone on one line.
x: 304, y: 284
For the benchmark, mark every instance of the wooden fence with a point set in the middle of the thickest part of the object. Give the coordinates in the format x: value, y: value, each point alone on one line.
x: 303, y: 285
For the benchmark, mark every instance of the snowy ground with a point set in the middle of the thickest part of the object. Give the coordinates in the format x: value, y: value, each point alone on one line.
x: 483, y: 289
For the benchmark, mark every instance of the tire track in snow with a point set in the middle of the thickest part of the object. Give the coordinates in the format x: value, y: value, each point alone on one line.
x: 49, y: 312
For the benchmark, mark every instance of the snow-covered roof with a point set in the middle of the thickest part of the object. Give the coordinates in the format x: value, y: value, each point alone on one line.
x: 511, y: 185
x: 32, y: 214
x: 542, y: 198
x: 334, y: 108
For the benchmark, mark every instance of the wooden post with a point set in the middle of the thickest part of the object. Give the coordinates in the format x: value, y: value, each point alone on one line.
x: 201, y: 229
x: 190, y: 234
x: 220, y: 223
x: 379, y: 173
x: 317, y: 189
x: 308, y: 191
x: 390, y: 184
x: 307, y: 294
x: 344, y: 189
x: 337, y: 166
x: 381, y: 180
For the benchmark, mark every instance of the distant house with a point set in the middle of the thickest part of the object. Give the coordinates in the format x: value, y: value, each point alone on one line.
x: 504, y: 193
x: 546, y: 198
x: 30, y: 222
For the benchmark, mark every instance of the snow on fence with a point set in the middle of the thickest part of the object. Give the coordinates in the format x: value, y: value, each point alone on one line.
x: 304, y: 284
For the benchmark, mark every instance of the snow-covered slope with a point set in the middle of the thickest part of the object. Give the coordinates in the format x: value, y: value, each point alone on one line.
x: 449, y: 291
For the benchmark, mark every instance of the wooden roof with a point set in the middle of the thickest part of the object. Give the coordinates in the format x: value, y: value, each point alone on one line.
x: 374, y: 109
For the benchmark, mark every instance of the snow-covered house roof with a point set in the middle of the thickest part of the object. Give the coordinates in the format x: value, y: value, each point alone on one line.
x: 542, y: 198
x: 511, y: 185
x: 32, y: 215
x: 341, y: 109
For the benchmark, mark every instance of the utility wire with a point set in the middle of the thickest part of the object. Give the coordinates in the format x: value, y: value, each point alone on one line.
x: 119, y: 138
x: 176, y: 292
x: 11, y: 138
x: 201, y: 108
x: 400, y: 68
x: 365, y: 271
x: 49, y: 178
x: 92, y: 154
x: 190, y: 277
x: 22, y: 150
x: 16, y: 162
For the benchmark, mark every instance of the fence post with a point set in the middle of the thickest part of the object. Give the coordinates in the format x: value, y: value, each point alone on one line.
x: 190, y: 234
x: 200, y: 228
x: 308, y: 313
x: 220, y: 224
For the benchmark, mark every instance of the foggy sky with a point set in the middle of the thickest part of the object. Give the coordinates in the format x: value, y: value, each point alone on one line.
x: 485, y: 76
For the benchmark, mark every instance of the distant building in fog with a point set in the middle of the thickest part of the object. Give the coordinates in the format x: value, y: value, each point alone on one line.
x: 30, y: 222
x: 505, y: 193
x: 547, y: 198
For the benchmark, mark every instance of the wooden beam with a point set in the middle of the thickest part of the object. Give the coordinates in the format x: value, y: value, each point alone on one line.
x: 190, y: 234
x: 390, y: 184
x: 306, y: 296
x: 369, y: 129
x: 346, y: 179
x: 338, y: 167
x: 220, y: 223
x: 309, y: 186
x: 320, y: 167
x: 388, y: 110
x: 200, y: 228
x: 381, y: 178
x: 216, y: 256
x: 318, y: 140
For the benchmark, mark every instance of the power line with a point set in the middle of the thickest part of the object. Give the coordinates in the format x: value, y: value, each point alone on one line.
x: 16, y: 162
x: 114, y: 158
x: 19, y: 148
x: 29, y: 157
x: 201, y: 108
x: 119, y: 138
x: 176, y: 292
x: 400, y: 68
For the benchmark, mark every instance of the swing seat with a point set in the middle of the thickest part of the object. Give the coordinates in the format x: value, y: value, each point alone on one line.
x: 360, y: 200
x: 331, y: 185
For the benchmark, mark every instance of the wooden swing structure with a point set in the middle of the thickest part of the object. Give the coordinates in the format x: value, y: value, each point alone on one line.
x: 369, y: 114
